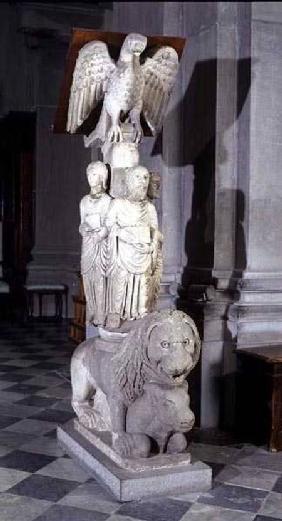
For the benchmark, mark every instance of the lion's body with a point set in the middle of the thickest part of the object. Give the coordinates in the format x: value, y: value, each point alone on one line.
x: 118, y: 375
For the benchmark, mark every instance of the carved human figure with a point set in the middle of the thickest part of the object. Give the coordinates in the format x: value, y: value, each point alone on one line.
x: 134, y: 266
x: 93, y: 210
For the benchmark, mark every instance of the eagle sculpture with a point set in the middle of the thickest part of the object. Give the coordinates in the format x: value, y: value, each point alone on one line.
x: 127, y: 87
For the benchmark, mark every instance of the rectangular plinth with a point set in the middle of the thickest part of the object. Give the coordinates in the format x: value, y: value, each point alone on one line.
x: 131, y: 485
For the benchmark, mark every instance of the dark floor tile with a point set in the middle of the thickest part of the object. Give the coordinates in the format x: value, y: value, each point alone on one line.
x: 216, y: 467
x: 27, y: 461
x: 25, y: 388
x: 5, y: 421
x: 37, y: 401
x: 24, y: 350
x: 164, y: 510
x: 234, y: 497
x: 12, y: 377
x: 47, y: 365
x: 64, y: 513
x: 22, y: 344
x: 8, y: 368
x: 278, y: 485
x: 266, y: 518
x: 63, y: 405
x: 44, y: 487
x: 66, y: 385
x: 14, y: 440
x: 51, y: 434
x: 36, y: 357
x: 53, y: 415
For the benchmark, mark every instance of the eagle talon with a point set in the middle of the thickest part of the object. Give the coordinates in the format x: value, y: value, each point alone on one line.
x: 115, y: 134
x: 138, y: 136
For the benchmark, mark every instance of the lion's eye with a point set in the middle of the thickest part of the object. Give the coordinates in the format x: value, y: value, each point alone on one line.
x: 165, y: 344
x: 186, y: 342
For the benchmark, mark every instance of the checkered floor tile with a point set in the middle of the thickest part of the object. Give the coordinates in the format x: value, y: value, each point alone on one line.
x: 39, y: 482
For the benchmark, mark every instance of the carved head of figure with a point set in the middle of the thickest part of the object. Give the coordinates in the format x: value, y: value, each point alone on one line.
x: 134, y: 44
x: 97, y: 175
x: 154, y: 185
x: 163, y: 348
x: 137, y: 182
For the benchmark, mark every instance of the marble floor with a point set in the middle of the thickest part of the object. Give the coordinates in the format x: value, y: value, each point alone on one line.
x: 38, y: 481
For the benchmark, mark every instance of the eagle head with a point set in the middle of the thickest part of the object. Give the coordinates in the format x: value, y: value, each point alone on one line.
x: 133, y: 44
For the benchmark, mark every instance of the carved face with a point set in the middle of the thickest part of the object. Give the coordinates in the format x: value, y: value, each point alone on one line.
x: 97, y: 175
x: 137, y: 183
x: 171, y: 348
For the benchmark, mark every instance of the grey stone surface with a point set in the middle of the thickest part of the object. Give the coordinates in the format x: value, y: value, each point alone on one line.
x: 234, y: 497
x: 10, y: 477
x: 199, y: 512
x: 248, y: 477
x: 214, y: 453
x: 91, y: 497
x: 128, y: 486
x: 17, y: 508
x: 272, y: 506
x: 64, y: 468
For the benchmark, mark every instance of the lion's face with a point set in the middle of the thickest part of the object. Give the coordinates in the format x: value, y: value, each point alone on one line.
x: 171, y: 349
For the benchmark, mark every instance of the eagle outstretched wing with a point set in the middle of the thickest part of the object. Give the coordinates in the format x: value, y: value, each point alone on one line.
x: 93, y: 68
x: 159, y: 73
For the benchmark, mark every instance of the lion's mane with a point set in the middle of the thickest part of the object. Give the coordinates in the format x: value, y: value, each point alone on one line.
x: 131, y: 364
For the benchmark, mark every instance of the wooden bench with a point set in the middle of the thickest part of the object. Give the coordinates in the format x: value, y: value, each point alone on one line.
x: 59, y: 291
x: 259, y: 395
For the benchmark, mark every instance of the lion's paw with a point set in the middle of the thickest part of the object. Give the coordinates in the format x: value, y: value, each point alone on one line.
x: 176, y: 443
x: 132, y: 445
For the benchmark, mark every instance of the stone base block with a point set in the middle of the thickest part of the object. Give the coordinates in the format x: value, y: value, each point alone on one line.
x: 129, y: 485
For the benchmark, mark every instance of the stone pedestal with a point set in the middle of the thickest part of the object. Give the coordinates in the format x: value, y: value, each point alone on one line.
x: 168, y: 475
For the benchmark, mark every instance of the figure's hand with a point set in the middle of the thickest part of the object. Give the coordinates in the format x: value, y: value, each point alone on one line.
x: 101, y: 234
x: 84, y: 230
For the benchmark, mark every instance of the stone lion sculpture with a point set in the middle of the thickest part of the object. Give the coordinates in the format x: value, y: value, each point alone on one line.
x: 136, y: 387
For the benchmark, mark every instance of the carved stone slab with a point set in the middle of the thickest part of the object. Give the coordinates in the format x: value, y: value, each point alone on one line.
x: 126, y: 485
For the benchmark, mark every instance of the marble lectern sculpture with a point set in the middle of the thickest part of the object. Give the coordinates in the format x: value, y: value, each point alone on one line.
x: 130, y: 392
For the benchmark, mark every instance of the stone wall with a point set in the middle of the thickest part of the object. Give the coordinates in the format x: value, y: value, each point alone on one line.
x: 221, y: 189
x: 34, y: 41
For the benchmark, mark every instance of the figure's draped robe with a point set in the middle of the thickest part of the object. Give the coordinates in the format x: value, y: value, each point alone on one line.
x: 93, y: 257
x: 132, y: 226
